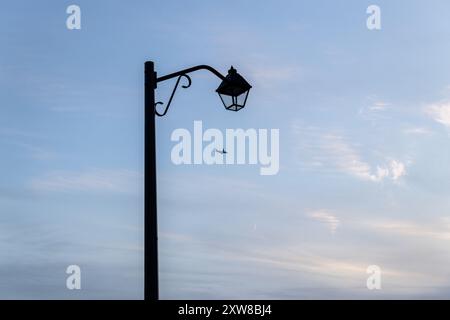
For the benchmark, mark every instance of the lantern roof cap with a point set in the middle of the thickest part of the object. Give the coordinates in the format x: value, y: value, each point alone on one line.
x: 234, y: 84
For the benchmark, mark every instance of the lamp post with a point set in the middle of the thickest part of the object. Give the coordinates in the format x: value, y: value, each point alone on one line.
x: 233, y: 92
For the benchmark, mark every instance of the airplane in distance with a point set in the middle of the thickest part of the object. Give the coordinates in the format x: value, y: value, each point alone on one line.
x: 222, y: 152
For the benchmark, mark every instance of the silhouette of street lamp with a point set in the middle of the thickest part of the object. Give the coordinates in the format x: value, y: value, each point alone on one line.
x: 233, y: 92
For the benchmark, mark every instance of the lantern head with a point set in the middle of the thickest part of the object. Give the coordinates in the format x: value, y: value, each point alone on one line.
x: 233, y: 91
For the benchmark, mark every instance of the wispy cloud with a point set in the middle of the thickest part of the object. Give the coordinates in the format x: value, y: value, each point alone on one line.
x: 103, y: 181
x: 304, y: 267
x: 397, y: 169
x: 37, y: 152
x: 417, y: 131
x: 326, y: 217
x: 335, y: 152
x: 440, y: 112
x: 31, y: 142
x: 378, y: 106
x: 13, y: 132
x: 374, y: 109
x: 438, y: 230
x: 348, y: 160
x: 267, y: 76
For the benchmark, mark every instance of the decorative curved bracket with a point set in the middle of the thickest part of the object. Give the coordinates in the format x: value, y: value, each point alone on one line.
x: 173, y: 93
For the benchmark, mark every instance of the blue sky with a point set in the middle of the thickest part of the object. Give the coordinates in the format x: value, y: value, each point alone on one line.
x: 364, y: 119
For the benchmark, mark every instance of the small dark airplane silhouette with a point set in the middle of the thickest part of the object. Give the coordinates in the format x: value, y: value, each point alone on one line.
x: 222, y: 152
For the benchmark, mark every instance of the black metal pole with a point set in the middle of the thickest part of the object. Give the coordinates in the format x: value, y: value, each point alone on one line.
x: 150, y: 206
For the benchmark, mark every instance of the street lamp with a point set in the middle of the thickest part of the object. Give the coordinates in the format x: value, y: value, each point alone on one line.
x: 233, y: 92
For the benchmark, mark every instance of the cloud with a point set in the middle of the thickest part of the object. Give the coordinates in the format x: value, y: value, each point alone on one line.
x: 347, y: 159
x: 440, y: 112
x: 418, y: 131
x: 378, y: 106
x: 327, y: 218
x: 268, y: 76
x: 374, y: 110
x: 103, y: 181
x: 397, y: 169
x: 304, y: 268
x: 12, y: 132
x: 333, y: 151
x: 28, y: 141
x: 439, y: 231
x: 36, y: 152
